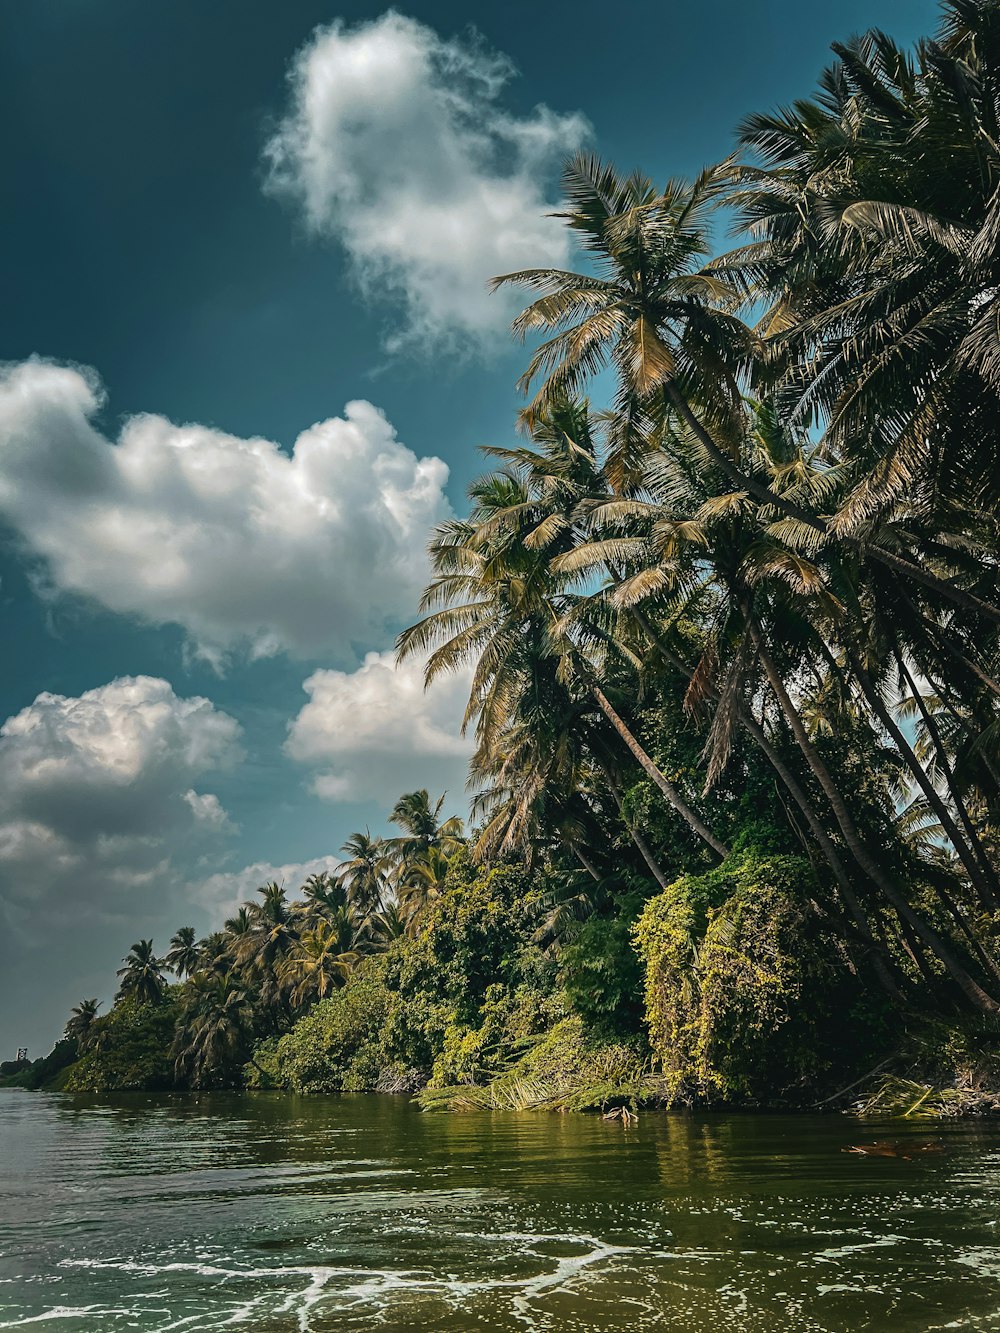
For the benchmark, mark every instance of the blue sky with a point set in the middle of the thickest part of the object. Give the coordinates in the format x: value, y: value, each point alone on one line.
x: 241, y: 225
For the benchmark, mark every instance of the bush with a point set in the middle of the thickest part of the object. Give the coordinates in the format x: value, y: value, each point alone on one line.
x: 567, y: 1069
x: 129, y: 1048
x: 602, y: 976
x: 45, y: 1072
x: 338, y: 1045
x: 746, y: 994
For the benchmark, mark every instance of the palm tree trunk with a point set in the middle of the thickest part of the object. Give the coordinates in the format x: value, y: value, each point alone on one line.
x: 671, y: 793
x: 949, y: 773
x: 986, y: 890
x: 973, y: 992
x: 880, y: 958
x: 881, y: 961
x: 585, y: 861
x: 645, y: 851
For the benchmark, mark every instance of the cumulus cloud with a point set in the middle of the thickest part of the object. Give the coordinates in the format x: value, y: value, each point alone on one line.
x: 221, y: 894
x: 373, y: 733
x: 242, y: 545
x: 93, y: 792
x: 397, y: 143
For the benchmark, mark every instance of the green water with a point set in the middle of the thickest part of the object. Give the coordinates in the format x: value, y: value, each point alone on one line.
x: 279, y: 1213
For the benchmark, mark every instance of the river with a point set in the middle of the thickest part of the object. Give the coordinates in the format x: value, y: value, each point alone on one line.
x: 281, y: 1213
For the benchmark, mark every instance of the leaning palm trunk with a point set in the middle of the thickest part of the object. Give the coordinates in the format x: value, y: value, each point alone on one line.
x: 880, y: 959
x: 967, y: 823
x: 645, y: 851
x: 984, y: 883
x: 969, y: 987
x: 660, y: 779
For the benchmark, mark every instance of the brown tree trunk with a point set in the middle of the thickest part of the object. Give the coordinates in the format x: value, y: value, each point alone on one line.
x: 987, y: 894
x: 942, y: 754
x: 880, y: 959
x: 668, y: 789
x: 973, y: 992
x: 645, y: 851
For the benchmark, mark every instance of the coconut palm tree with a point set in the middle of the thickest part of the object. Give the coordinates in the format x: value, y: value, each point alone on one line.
x: 142, y: 975
x: 215, y: 1031
x: 183, y: 955
x: 365, y: 873
x: 872, y: 213
x: 273, y: 932
x: 423, y: 828
x: 321, y: 959
x: 81, y: 1021
x: 503, y: 602
x: 322, y: 893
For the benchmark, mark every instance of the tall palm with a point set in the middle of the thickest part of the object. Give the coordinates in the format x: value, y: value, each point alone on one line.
x: 81, y: 1022
x: 502, y: 603
x: 666, y: 322
x: 385, y: 927
x: 273, y: 933
x: 422, y: 826
x: 215, y: 1031
x: 142, y: 975
x: 873, y: 222
x: 183, y: 955
x: 365, y: 873
x: 421, y: 884
x: 322, y: 893
x: 321, y: 959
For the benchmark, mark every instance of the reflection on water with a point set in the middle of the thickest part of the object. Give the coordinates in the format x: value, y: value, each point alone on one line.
x: 279, y: 1213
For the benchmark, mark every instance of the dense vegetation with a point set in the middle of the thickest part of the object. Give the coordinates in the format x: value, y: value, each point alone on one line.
x: 735, y: 649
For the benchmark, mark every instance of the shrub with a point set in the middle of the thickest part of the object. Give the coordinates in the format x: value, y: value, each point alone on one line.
x: 129, y: 1048
x: 745, y: 991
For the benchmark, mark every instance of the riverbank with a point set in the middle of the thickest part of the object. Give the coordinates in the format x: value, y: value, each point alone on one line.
x: 564, y: 1071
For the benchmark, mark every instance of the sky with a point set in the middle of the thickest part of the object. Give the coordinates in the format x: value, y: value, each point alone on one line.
x: 247, y: 352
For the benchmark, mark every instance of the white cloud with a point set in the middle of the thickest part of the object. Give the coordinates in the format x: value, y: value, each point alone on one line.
x: 375, y: 732
x: 221, y: 894
x: 396, y: 142
x: 94, y: 793
x: 239, y: 543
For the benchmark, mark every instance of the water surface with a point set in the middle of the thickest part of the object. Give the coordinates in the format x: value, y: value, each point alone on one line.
x: 290, y: 1214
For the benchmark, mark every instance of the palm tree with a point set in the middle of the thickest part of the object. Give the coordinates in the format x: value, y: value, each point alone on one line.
x: 385, y: 927
x: 504, y: 602
x: 872, y: 223
x: 142, y: 975
x: 183, y: 955
x: 273, y: 932
x: 421, y: 884
x: 321, y: 959
x: 81, y: 1021
x: 365, y: 873
x: 322, y: 893
x: 215, y: 1031
x: 422, y: 826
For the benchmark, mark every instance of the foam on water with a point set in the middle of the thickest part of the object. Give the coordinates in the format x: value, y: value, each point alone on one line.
x: 339, y: 1287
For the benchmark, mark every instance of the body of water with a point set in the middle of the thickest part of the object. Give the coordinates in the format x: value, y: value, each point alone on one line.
x: 282, y: 1214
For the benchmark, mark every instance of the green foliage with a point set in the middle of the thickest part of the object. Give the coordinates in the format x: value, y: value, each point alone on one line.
x: 129, y: 1048
x: 338, y: 1045
x: 601, y: 973
x: 47, y: 1072
x: 456, y: 1001
x: 749, y: 999
x: 566, y: 1070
